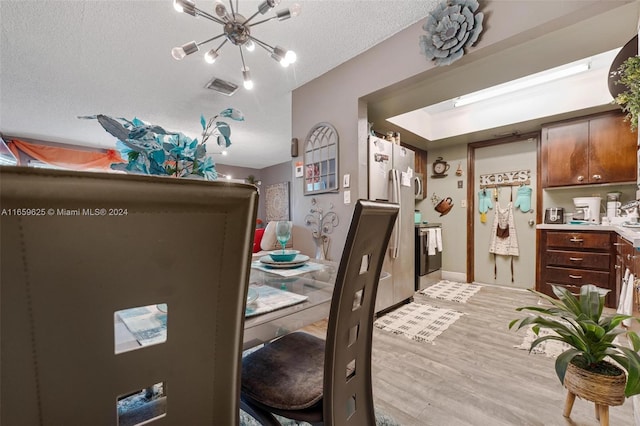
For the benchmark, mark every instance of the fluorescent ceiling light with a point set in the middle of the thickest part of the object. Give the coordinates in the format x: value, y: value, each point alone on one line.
x: 520, y: 84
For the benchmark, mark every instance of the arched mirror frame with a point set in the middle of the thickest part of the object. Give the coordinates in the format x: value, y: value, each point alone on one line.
x: 321, y: 160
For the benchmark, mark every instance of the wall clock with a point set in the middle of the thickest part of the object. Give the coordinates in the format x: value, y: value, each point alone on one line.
x: 440, y: 167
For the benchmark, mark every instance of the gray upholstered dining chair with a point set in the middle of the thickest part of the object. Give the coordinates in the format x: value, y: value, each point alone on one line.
x: 75, y: 248
x: 303, y: 377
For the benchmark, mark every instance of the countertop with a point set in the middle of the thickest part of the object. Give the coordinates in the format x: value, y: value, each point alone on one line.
x: 630, y: 234
x: 427, y: 225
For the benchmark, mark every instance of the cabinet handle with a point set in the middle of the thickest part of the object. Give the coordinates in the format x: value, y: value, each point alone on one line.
x: 580, y: 178
x: 618, y: 244
x: 629, y: 257
x: 597, y: 177
x: 575, y: 259
x: 576, y: 240
x: 575, y: 277
x: 617, y: 266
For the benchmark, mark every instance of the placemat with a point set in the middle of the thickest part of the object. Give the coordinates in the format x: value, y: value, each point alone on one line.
x: 147, y: 324
x: 269, y: 299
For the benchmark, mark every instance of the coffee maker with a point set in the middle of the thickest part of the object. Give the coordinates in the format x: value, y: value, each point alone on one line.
x: 590, y: 207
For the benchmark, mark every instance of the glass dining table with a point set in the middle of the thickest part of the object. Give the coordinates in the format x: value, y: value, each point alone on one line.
x: 279, y: 301
x: 312, y: 286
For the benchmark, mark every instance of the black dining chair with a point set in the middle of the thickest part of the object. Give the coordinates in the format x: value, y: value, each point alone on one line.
x: 305, y: 378
x: 78, y: 249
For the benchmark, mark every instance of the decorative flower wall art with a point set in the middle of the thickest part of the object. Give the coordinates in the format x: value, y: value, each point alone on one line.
x: 451, y: 26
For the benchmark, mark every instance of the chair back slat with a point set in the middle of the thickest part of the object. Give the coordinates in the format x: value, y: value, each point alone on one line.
x: 348, y: 398
x: 67, y: 267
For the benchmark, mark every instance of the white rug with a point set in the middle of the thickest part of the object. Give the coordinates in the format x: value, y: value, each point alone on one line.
x: 415, y: 321
x: 452, y: 291
x: 549, y: 348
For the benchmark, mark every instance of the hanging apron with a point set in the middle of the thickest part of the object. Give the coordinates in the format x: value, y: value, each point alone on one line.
x: 504, y: 240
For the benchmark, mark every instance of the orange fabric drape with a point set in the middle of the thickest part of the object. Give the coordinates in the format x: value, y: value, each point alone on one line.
x: 66, y: 157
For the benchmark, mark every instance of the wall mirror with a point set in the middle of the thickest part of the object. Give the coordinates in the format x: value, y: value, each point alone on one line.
x: 321, y: 160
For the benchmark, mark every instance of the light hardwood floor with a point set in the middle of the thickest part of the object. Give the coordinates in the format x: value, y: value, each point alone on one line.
x: 472, y: 374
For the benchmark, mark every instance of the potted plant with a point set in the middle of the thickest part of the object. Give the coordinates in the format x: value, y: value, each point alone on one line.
x: 583, y: 368
x: 628, y: 74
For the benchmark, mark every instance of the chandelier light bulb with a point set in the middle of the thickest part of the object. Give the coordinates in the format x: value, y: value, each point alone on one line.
x: 178, y: 53
x: 185, y: 6
x: 248, y: 83
x: 267, y: 5
x: 250, y: 46
x: 290, y: 56
x: 211, y: 56
x: 224, y: 152
x: 221, y: 11
x: 295, y: 9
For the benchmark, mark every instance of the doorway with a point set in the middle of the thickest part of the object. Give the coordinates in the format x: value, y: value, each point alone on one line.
x: 501, y: 171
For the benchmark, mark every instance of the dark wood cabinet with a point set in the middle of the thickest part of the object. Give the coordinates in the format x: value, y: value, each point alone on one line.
x: 573, y: 259
x: 627, y: 257
x: 591, y: 150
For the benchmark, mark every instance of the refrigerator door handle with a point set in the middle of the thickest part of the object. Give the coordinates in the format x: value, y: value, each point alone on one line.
x: 395, y: 198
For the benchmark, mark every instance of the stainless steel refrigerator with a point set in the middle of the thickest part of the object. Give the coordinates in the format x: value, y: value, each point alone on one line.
x: 391, y: 179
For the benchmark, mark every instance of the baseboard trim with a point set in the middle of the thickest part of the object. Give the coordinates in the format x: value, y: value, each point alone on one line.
x: 454, y: 276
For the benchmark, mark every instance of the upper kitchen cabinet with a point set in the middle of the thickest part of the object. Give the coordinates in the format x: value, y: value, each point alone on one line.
x: 594, y: 149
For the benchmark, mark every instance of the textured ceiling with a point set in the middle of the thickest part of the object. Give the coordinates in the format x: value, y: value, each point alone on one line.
x: 63, y: 59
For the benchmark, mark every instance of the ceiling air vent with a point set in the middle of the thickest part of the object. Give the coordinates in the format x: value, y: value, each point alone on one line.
x: 225, y: 87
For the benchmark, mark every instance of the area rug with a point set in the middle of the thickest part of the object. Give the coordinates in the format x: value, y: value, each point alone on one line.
x: 419, y: 322
x: 452, y: 291
x: 549, y: 348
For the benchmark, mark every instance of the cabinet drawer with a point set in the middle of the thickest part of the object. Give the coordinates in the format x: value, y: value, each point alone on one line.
x: 580, y: 240
x: 578, y: 259
x: 576, y: 277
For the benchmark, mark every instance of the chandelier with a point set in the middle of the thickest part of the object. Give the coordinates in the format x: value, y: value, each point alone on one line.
x: 237, y: 30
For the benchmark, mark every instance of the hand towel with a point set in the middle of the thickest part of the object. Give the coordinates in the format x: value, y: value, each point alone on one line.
x: 432, y: 242
x: 626, y: 299
x: 439, y: 238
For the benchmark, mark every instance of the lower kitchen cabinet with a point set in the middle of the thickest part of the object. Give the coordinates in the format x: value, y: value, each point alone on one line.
x: 574, y: 259
x: 627, y: 257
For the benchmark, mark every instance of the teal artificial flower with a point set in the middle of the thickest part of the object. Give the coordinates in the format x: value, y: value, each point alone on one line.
x: 150, y: 149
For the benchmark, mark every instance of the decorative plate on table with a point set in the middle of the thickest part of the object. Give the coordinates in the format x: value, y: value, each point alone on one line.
x: 299, y: 260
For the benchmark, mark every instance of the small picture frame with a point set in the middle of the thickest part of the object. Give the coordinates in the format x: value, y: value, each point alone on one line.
x: 299, y: 170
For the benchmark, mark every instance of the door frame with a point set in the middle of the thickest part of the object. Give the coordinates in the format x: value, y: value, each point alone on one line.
x: 471, y: 199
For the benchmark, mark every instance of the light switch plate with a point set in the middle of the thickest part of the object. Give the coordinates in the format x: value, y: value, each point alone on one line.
x: 463, y: 203
x: 346, y: 180
x: 347, y: 197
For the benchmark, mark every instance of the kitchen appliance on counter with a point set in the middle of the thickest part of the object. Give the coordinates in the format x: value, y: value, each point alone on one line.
x: 630, y: 210
x: 554, y: 215
x: 390, y: 179
x: 589, y: 208
x: 613, y: 204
